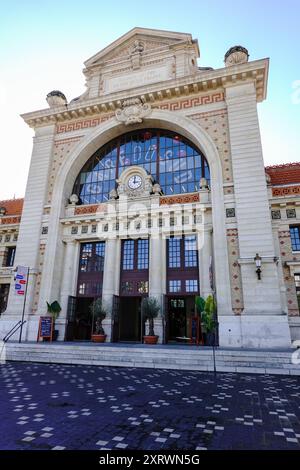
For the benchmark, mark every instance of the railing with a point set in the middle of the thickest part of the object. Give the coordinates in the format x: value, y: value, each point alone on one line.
x: 14, y: 329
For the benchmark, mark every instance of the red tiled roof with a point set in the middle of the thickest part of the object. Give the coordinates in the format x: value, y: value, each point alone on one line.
x: 287, y: 173
x: 13, y: 206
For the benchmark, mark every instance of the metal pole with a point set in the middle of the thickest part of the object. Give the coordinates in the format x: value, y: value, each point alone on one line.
x: 24, y: 303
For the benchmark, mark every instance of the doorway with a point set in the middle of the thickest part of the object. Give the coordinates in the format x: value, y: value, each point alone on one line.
x: 180, y: 316
x: 130, y: 319
x: 83, y: 319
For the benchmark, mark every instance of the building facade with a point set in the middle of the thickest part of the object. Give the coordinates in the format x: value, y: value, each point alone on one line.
x: 152, y: 183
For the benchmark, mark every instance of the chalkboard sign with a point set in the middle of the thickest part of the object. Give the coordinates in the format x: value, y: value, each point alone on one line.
x: 45, y: 328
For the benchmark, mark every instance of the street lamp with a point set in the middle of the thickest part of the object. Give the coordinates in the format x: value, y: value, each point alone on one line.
x: 257, y: 260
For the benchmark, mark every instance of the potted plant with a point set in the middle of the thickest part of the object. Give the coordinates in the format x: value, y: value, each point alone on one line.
x: 150, y: 309
x: 98, y: 314
x: 208, y: 320
x: 54, y: 310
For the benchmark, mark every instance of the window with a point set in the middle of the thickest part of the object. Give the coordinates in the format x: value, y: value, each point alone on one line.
x: 190, y: 252
x: 171, y: 159
x: 4, y: 291
x: 191, y: 285
x: 10, y: 256
x: 128, y: 254
x: 297, y: 284
x: 295, y: 238
x: 127, y: 287
x: 92, y: 257
x: 135, y: 254
x: 142, y: 287
x: 175, y: 286
x: 143, y: 254
x: 174, y: 252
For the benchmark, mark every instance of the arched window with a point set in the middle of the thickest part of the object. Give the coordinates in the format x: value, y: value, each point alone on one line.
x: 171, y: 159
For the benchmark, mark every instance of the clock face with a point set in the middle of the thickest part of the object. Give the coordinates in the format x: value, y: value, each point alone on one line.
x: 135, y: 182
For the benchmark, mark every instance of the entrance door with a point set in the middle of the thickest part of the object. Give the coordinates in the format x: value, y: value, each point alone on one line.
x: 177, y: 319
x: 130, y: 319
x: 83, y: 319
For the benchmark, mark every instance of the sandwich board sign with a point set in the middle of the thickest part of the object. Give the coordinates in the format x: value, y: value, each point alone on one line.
x: 45, y: 328
x: 21, y: 279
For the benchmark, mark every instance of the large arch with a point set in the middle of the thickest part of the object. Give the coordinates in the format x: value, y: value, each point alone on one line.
x: 98, y: 137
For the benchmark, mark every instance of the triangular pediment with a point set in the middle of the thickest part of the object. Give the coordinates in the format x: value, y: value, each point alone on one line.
x: 148, y: 40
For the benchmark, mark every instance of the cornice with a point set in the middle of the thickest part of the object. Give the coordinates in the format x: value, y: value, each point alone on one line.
x: 201, y: 82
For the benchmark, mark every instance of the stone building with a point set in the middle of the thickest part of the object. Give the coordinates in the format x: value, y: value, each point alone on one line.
x: 152, y: 182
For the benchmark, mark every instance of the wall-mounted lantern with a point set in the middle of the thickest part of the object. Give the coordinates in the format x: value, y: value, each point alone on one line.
x: 257, y: 260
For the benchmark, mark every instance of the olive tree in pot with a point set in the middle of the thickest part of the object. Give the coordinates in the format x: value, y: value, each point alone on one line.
x: 54, y: 310
x: 150, y: 310
x: 98, y: 312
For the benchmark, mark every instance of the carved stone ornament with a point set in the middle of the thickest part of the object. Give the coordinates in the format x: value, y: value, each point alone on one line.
x: 236, y: 55
x: 133, y: 111
x: 143, y: 189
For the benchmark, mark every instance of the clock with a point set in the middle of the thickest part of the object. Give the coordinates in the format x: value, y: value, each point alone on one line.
x: 135, y: 182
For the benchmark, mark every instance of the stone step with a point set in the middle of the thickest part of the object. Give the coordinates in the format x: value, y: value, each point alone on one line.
x: 234, y: 360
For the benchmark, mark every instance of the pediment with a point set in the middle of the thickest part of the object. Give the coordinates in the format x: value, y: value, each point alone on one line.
x: 149, y: 41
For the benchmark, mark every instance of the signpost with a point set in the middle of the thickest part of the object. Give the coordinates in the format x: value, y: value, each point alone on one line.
x: 21, y: 284
x: 45, y: 328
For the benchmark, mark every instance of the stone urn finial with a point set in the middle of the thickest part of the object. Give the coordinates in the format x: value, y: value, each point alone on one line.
x: 236, y: 55
x: 56, y: 98
x: 74, y: 199
x: 203, y: 183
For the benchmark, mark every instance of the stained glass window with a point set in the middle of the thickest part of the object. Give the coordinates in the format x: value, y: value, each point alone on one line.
x: 171, y: 159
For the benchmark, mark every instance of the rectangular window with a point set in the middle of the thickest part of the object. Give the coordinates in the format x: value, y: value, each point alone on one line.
x: 126, y: 287
x: 143, y: 254
x: 86, y: 257
x: 190, y: 252
x: 142, y: 287
x: 175, y: 286
x: 99, y: 256
x: 174, y: 252
x: 4, y: 291
x: 191, y: 285
x: 10, y: 256
x: 295, y: 238
x: 128, y: 254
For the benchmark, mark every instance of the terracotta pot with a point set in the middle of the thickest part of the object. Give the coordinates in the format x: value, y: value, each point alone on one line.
x: 150, y: 339
x: 98, y: 338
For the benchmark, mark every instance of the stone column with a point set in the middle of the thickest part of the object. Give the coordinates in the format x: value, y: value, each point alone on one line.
x: 27, y: 252
x: 111, y: 280
x: 205, y: 259
x: 156, y: 288
x: 261, y: 297
x: 68, y: 283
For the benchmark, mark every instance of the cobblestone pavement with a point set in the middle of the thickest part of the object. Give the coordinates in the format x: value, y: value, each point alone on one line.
x: 46, y: 406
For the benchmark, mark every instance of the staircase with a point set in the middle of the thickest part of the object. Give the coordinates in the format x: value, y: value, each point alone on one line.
x: 158, y: 356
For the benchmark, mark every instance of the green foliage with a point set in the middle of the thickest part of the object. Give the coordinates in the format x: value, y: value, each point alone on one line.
x: 54, y: 309
x: 200, y: 304
x: 98, y: 312
x: 150, y: 310
x: 208, y: 314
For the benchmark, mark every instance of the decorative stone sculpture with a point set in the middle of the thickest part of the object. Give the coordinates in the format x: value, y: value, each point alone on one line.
x: 74, y: 199
x: 133, y: 111
x: 203, y: 183
x: 157, y: 189
x: 236, y: 55
x: 135, y: 53
x: 113, y: 194
x: 56, y: 98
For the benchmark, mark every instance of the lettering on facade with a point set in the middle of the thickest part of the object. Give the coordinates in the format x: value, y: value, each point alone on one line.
x: 137, y: 79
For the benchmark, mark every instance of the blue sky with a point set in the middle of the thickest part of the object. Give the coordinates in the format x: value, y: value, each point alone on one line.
x: 44, y: 45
